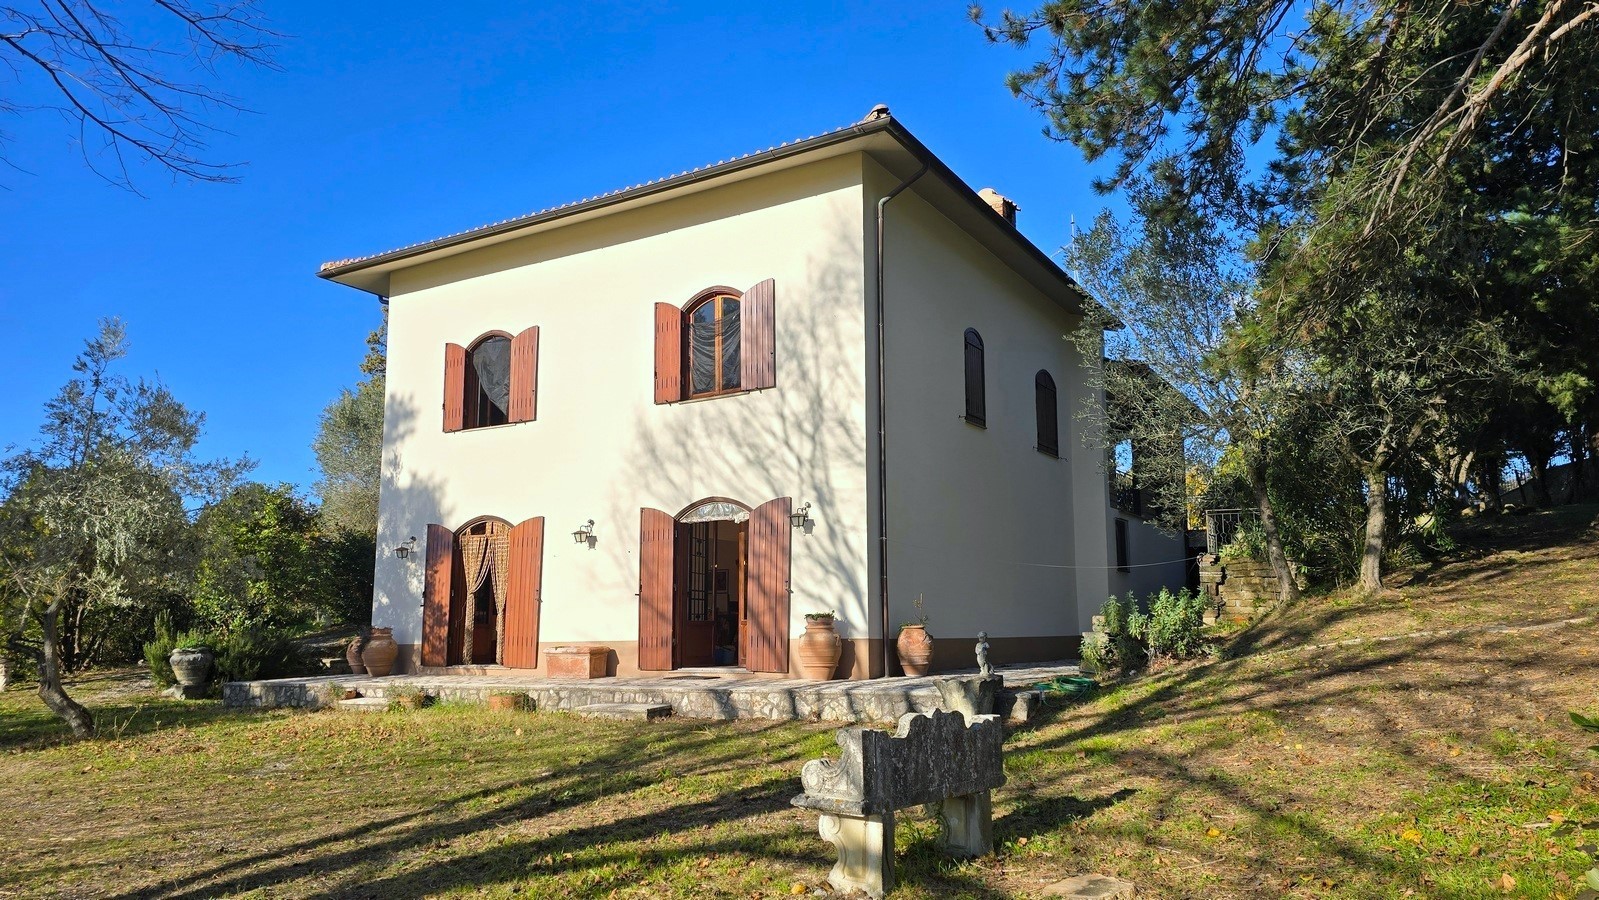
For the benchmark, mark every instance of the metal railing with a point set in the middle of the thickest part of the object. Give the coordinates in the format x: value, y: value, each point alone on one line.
x: 1125, y: 494
x: 1222, y: 524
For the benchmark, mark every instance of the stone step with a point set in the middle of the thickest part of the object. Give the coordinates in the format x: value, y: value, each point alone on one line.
x: 638, y: 712
x: 364, y: 704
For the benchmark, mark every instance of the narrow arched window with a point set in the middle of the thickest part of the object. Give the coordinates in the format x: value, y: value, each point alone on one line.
x: 488, y: 382
x: 976, y: 403
x: 714, y: 361
x: 1048, y: 423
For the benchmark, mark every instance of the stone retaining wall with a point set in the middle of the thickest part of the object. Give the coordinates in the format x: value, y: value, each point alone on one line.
x: 1240, y: 588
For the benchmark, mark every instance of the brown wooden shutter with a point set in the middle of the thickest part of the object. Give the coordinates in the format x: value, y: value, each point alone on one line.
x: 524, y: 376
x: 657, y: 535
x: 758, y: 356
x: 668, y: 353
x: 436, y: 595
x: 766, y: 586
x: 454, y: 387
x: 523, y: 586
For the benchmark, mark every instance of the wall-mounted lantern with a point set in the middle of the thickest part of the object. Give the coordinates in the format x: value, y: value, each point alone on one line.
x: 800, y: 516
x: 406, y: 549
x: 584, y: 534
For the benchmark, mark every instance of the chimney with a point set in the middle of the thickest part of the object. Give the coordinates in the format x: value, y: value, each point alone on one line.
x: 999, y: 204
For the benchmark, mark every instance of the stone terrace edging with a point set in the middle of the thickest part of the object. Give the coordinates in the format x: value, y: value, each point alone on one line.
x: 880, y: 701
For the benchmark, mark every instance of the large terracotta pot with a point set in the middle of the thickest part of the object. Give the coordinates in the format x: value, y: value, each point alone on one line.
x: 915, y: 649
x: 191, y: 667
x: 819, y: 649
x: 379, y: 653
x: 352, y: 655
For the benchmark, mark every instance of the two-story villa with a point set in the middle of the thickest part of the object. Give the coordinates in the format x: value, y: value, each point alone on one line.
x: 675, y: 418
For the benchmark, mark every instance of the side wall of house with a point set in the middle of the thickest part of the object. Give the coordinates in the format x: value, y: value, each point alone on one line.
x: 600, y: 448
x: 1155, y: 559
x: 990, y: 533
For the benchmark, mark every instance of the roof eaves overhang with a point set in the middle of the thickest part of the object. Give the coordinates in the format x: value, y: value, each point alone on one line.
x: 371, y: 273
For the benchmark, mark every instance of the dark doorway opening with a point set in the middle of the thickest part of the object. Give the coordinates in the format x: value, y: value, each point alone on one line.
x: 709, y: 600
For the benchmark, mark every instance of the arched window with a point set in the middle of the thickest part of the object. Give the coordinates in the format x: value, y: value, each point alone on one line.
x: 976, y: 402
x: 488, y: 382
x: 714, y: 345
x: 1048, y: 423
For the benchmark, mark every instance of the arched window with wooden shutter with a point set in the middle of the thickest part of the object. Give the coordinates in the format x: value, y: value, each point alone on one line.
x: 1048, y: 423
x: 723, y: 341
x: 976, y: 399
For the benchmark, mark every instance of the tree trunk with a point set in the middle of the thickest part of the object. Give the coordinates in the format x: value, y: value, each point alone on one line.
x: 1376, y: 526
x: 1287, y: 587
x: 5, y: 669
x: 50, y: 690
x: 1579, y: 463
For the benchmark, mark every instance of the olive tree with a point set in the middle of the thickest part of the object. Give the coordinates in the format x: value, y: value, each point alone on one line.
x: 94, y: 515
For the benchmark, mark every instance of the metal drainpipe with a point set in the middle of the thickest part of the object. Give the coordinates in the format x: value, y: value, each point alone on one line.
x: 882, y: 424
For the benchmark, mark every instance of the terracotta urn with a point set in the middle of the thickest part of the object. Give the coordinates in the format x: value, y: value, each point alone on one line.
x: 819, y: 649
x: 379, y: 653
x: 192, y: 667
x: 915, y: 650
x: 352, y: 655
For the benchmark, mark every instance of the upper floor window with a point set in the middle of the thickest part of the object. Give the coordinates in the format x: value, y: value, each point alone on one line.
x: 722, y: 341
x: 713, y: 345
x: 488, y: 382
x: 976, y: 399
x: 493, y: 382
x: 1048, y: 425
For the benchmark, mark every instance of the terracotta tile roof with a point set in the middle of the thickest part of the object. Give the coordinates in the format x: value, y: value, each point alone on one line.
x: 503, y: 224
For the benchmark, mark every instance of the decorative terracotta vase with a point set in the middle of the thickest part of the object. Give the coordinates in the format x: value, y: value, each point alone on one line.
x: 819, y: 649
x: 915, y: 650
x: 379, y: 653
x: 192, y: 668
x: 352, y: 655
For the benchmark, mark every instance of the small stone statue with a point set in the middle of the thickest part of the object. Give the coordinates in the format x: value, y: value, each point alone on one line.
x: 984, y: 668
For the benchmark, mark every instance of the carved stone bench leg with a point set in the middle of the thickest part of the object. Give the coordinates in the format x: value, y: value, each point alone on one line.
x: 969, y: 824
x: 865, y: 853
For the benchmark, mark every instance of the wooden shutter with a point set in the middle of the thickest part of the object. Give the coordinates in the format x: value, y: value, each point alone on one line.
x: 1045, y: 407
x: 524, y: 376
x: 657, y: 536
x: 976, y: 395
x: 454, y: 387
x: 668, y: 353
x: 758, y: 356
x: 766, y: 586
x: 436, y: 596
x: 523, y: 586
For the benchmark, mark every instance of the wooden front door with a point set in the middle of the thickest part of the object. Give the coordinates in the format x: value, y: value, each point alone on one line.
x: 657, y: 538
x: 766, y: 587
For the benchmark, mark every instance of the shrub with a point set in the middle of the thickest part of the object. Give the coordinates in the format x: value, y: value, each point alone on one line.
x: 1175, y: 624
x: 1172, y: 628
x: 1249, y: 542
x: 160, y: 648
x: 251, y: 654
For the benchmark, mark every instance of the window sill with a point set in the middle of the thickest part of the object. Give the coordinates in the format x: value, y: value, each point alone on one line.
x: 975, y: 423
x: 1052, y: 455
x: 489, y: 427
x: 702, y: 398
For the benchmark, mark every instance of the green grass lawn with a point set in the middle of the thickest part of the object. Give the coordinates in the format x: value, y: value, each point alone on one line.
x: 1433, y: 767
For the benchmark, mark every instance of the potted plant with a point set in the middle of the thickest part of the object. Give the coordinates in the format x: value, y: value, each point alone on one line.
x: 915, y: 645
x: 820, y: 646
x: 405, y: 697
x: 508, y: 701
x: 191, y: 662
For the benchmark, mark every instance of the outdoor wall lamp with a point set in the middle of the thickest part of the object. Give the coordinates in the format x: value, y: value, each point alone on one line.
x: 800, y: 516
x: 406, y: 549
x: 584, y: 533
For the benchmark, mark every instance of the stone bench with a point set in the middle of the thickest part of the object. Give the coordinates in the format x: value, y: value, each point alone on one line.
x: 933, y: 758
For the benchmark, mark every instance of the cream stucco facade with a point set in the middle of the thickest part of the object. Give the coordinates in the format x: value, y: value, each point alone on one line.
x: 991, y: 534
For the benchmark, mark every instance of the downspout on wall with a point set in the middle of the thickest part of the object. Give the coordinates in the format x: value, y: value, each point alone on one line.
x: 882, y: 423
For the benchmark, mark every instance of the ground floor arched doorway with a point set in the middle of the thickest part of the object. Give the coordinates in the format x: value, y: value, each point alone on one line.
x: 481, y: 594
x: 714, y: 586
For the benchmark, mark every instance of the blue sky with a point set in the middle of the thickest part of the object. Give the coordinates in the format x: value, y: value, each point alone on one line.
x: 397, y: 122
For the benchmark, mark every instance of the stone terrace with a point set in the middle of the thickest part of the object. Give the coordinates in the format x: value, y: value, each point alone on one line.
x: 696, y: 695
